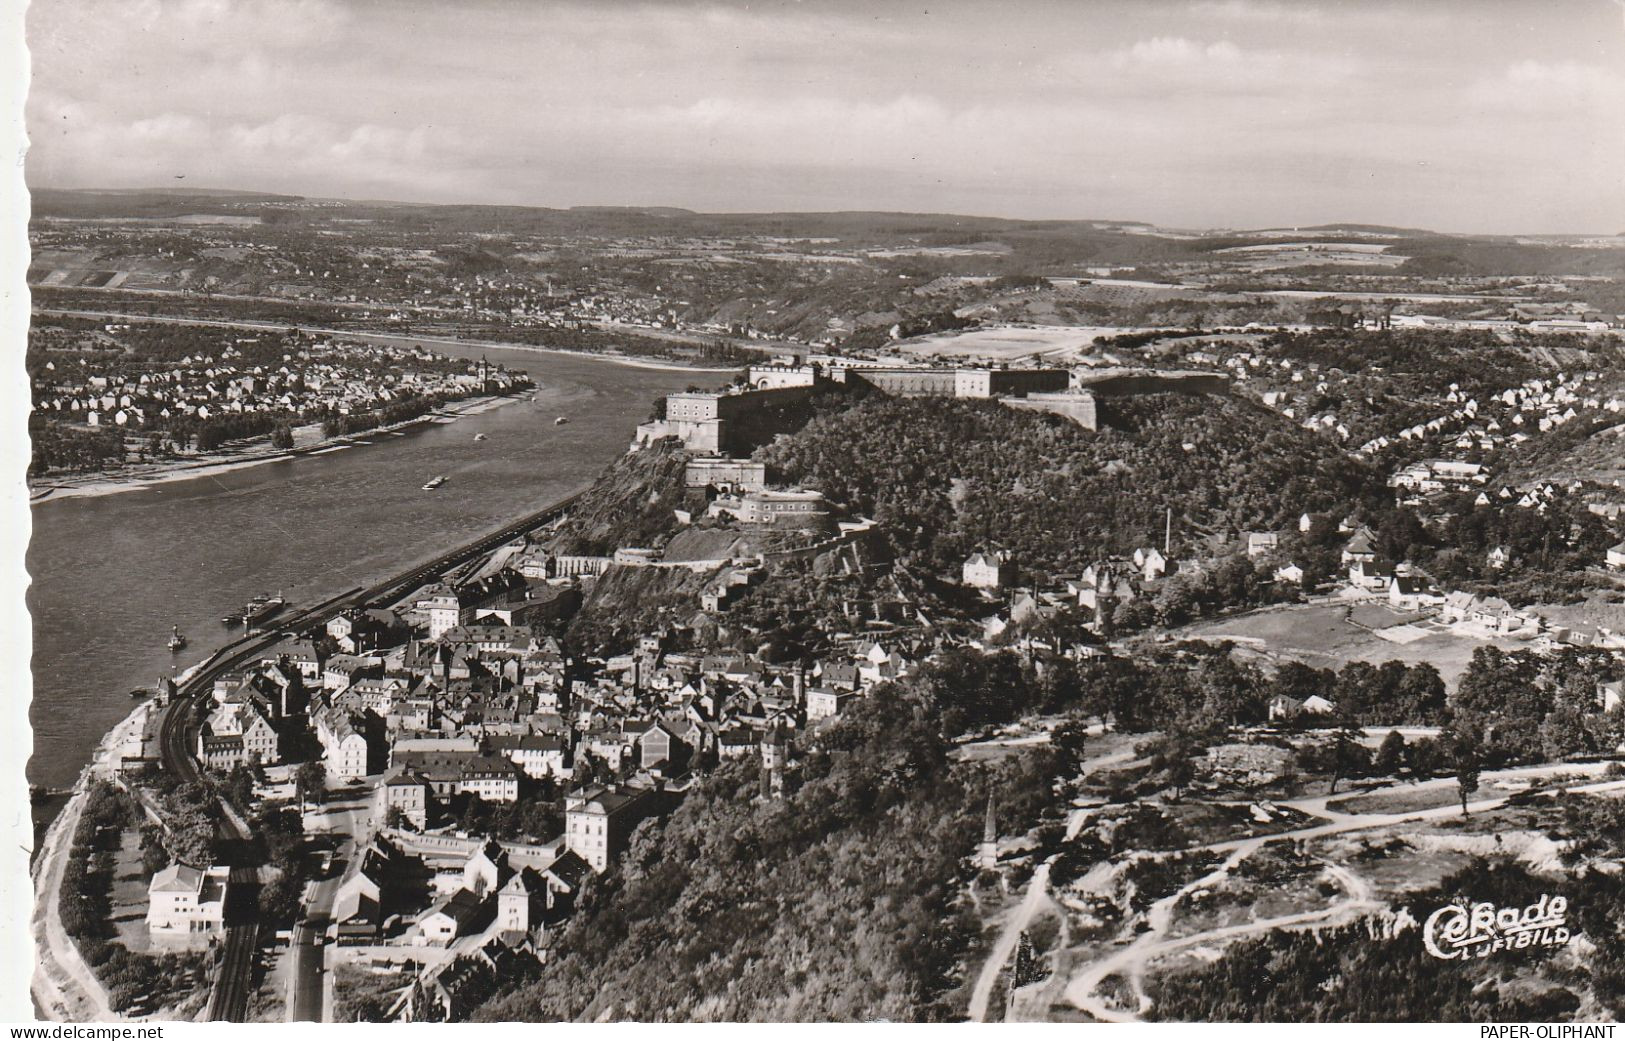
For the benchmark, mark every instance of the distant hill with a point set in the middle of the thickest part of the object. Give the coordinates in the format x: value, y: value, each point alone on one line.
x: 147, y: 202
x: 1033, y: 246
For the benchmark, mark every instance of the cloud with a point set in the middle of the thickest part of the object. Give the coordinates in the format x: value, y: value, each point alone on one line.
x: 1177, y: 50
x: 1157, y: 110
x: 1302, y: 12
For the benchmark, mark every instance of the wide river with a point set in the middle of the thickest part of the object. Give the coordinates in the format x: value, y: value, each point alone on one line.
x: 111, y: 574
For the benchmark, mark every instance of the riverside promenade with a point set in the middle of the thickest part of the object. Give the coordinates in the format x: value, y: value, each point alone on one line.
x: 64, y: 987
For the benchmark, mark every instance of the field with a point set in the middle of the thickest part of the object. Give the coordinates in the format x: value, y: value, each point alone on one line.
x: 1324, y: 637
x: 1009, y: 344
x: 1303, y: 254
x: 1595, y: 611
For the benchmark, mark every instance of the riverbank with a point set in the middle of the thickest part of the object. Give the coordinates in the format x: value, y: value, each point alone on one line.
x: 88, y: 485
x: 64, y: 987
x: 628, y: 360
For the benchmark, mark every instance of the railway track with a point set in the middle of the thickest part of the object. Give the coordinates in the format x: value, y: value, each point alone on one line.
x: 233, y: 983
x: 228, y: 1000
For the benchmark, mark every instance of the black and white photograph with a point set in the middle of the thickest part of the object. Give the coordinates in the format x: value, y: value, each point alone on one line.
x: 823, y: 511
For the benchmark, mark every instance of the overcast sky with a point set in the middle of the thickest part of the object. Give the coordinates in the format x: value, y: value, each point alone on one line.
x: 1460, y: 115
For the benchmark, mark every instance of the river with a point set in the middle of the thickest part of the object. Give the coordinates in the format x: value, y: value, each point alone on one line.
x: 111, y: 574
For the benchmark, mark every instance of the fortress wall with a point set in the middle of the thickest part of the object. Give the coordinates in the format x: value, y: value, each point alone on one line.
x: 1078, y: 407
x: 1146, y: 382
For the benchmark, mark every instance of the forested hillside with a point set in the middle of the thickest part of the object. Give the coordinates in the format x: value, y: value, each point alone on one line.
x: 945, y: 478
x: 836, y: 902
x: 630, y: 504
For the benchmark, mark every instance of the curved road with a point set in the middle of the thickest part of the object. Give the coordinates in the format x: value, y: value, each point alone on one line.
x: 1081, y: 990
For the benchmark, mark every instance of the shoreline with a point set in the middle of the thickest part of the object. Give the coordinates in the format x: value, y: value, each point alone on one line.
x: 63, y: 985
x: 629, y: 360
x: 95, y: 486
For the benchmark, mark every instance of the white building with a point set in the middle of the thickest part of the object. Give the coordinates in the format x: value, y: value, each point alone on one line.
x: 185, y: 903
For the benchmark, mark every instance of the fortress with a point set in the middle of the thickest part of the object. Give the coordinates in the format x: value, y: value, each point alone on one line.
x: 775, y: 398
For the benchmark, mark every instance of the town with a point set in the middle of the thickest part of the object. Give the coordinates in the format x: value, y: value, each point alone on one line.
x: 112, y: 393
x: 425, y: 783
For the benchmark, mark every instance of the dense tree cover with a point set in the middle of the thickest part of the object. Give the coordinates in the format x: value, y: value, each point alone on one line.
x: 60, y: 448
x: 1202, y: 688
x: 86, y: 907
x: 1135, y: 341
x: 1550, y: 548
x: 945, y: 478
x: 192, y: 812
x: 969, y: 690
x: 280, y: 830
x: 1522, y: 707
x: 835, y: 902
x: 1414, y: 362
x: 534, y: 817
x: 1232, y: 582
x: 400, y: 411
x: 1546, y: 545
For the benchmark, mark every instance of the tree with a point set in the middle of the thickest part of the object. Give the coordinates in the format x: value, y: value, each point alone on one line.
x: 1390, y: 754
x: 1070, y: 739
x: 1348, y: 757
x: 1467, y: 760
x: 310, y: 781
x: 282, y: 436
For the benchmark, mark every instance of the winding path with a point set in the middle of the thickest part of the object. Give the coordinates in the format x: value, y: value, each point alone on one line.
x: 1037, y: 893
x: 1082, y: 989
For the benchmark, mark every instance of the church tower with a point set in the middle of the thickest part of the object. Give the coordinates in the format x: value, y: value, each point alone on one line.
x: 987, y: 854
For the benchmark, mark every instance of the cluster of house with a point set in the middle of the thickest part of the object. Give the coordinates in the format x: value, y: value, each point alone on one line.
x: 1407, y: 589
x: 1507, y: 416
x: 1467, y: 425
x: 1109, y: 581
x: 319, y: 379
x: 459, y: 693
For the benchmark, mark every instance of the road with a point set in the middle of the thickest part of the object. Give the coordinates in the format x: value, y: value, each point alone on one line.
x: 233, y: 981
x: 305, y: 988
x: 1036, y: 895
x: 1082, y: 989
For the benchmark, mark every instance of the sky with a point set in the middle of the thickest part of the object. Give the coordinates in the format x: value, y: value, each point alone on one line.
x: 1456, y: 115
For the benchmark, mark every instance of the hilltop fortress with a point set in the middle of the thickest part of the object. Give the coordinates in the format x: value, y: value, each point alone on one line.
x: 777, y: 398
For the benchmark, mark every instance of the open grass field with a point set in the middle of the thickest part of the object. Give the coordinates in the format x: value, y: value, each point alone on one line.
x: 1596, y: 611
x: 1397, y: 802
x: 1008, y: 344
x: 1321, y: 635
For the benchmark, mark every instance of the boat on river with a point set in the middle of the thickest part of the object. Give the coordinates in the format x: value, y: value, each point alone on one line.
x: 435, y: 482
x: 176, y: 640
x: 261, y: 608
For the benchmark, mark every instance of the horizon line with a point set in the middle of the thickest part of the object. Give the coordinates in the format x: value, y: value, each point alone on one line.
x: 1207, y: 230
